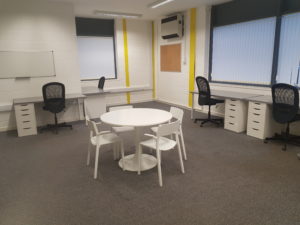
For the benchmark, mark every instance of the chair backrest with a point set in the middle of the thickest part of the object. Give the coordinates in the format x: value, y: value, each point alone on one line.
x: 168, y: 128
x: 285, y: 102
x: 101, y: 82
x: 115, y: 108
x: 204, y: 90
x: 54, y: 96
x: 92, y: 126
x: 177, y: 113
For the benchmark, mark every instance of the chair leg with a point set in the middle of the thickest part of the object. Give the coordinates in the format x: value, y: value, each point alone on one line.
x: 183, y: 144
x: 159, y: 168
x: 55, y: 118
x: 89, y: 154
x: 122, y: 155
x: 179, y: 153
x: 96, y: 162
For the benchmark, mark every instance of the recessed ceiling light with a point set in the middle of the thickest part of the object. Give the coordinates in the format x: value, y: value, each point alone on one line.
x: 159, y: 3
x: 117, y: 14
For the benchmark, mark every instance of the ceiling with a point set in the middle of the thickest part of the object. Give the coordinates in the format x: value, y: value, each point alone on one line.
x: 86, y: 8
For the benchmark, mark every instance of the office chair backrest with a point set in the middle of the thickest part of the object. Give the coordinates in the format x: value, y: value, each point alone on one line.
x: 177, y: 113
x: 54, y: 97
x: 204, y: 90
x: 285, y: 102
x: 115, y: 108
x: 101, y: 82
x: 168, y: 128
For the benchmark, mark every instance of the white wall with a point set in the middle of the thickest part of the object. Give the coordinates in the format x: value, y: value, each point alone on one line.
x: 34, y: 25
x: 139, y: 36
x: 174, y: 87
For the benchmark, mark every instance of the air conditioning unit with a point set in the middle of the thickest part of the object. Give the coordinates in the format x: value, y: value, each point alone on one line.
x: 172, y: 27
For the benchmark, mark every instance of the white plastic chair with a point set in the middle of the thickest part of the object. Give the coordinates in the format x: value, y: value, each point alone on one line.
x: 121, y: 129
x: 178, y: 115
x: 161, y: 143
x: 99, y: 139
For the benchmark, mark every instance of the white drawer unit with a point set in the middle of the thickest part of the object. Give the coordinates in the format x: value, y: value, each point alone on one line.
x: 235, y: 115
x: 25, y: 118
x: 260, y: 121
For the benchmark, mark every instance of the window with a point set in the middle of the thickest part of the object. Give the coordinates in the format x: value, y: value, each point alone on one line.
x: 96, y: 48
x: 243, y: 52
x: 289, y: 50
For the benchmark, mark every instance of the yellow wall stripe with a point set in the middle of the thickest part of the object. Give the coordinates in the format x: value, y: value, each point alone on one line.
x: 126, y: 58
x: 192, y: 53
x: 153, y: 62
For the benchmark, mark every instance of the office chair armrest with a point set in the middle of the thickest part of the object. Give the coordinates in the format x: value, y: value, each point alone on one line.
x: 150, y: 135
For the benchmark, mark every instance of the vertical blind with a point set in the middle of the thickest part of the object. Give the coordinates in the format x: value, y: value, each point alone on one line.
x: 289, y: 50
x: 243, y: 52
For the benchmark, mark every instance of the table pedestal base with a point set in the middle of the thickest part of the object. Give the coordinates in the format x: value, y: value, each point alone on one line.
x: 131, y: 162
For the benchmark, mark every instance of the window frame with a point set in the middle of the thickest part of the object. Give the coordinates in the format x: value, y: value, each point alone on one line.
x: 114, y: 48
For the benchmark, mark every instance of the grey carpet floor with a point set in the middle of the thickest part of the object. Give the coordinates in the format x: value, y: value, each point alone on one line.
x: 230, y: 179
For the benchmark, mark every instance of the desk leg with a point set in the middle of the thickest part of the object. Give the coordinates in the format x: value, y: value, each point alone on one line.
x: 192, y: 109
x: 80, y: 110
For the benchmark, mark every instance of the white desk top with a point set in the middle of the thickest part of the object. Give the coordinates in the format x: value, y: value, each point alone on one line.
x: 92, y: 90
x: 136, y: 117
x: 40, y: 98
x: 230, y: 94
x: 263, y: 99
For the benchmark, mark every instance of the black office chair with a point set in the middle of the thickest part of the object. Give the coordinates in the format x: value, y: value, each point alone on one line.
x: 54, y: 100
x: 285, y: 110
x: 101, y: 82
x: 204, y: 98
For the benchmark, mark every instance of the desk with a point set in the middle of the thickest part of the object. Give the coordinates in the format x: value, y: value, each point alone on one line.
x: 137, y: 118
x: 236, y: 108
x: 96, y: 101
x: 224, y: 95
x: 25, y: 113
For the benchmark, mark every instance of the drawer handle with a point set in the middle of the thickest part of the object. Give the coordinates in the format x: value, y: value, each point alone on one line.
x: 26, y: 114
x: 231, y: 123
x: 256, y: 114
x: 232, y: 116
x: 232, y: 104
x: 255, y: 121
x: 27, y: 121
x: 255, y: 129
x: 232, y: 110
x: 256, y: 103
x: 24, y: 110
x: 27, y: 128
x: 23, y: 104
x: 257, y: 109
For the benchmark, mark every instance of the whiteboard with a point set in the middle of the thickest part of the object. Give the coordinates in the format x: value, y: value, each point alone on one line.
x: 96, y: 57
x: 15, y: 64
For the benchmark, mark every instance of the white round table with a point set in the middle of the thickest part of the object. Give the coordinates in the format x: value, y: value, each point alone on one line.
x: 137, y: 118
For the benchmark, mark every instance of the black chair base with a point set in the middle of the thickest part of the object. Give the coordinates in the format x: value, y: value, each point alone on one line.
x: 54, y: 127
x: 209, y: 120
x: 285, y: 138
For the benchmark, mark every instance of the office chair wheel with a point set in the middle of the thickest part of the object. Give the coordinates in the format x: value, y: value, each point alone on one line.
x: 265, y: 141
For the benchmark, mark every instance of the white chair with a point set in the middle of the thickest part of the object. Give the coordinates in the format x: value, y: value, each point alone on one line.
x: 99, y: 139
x: 161, y: 143
x: 119, y: 130
x: 178, y: 115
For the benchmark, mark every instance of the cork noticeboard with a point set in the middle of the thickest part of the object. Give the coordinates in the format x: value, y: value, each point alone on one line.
x: 170, y: 58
